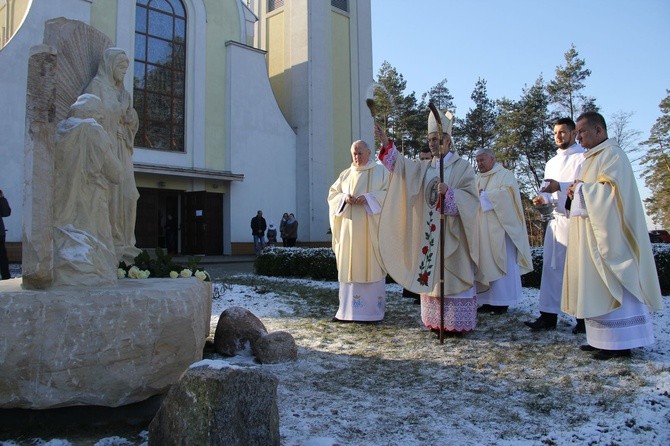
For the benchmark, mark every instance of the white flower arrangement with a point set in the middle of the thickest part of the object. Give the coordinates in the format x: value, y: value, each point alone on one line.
x: 136, y: 273
x: 202, y: 275
x: 162, y: 267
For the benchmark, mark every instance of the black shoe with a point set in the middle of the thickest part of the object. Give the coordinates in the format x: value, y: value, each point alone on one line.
x: 604, y: 355
x: 588, y: 348
x: 486, y: 308
x: 339, y: 320
x: 580, y: 327
x: 546, y: 321
x: 408, y: 293
x: 499, y: 309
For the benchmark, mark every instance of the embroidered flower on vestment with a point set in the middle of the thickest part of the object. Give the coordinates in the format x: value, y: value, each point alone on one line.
x: 426, y: 265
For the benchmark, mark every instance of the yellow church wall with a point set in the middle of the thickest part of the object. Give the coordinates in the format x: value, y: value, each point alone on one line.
x: 223, y: 24
x: 276, y: 46
x: 341, y: 68
x: 11, y: 18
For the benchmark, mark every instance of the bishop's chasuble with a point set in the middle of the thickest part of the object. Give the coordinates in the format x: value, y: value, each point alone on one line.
x: 409, y: 235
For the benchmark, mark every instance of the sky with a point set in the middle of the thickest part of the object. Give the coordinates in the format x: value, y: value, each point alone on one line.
x: 625, y: 44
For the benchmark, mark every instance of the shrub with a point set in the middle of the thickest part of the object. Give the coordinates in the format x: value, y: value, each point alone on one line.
x: 534, y: 278
x: 661, y: 253
x: 314, y: 263
x: 662, y: 259
x: 319, y: 264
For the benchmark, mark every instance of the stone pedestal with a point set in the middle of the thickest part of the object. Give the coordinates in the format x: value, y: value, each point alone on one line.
x: 105, y: 346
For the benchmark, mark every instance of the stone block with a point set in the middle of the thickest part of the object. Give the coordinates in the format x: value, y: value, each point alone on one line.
x: 228, y: 405
x: 106, y: 346
x: 275, y: 347
x: 236, y: 331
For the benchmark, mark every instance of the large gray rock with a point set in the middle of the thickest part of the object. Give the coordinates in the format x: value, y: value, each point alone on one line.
x: 230, y: 406
x: 275, y: 347
x: 236, y: 331
x: 106, y: 346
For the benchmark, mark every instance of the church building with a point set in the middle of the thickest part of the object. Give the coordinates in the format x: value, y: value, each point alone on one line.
x: 243, y: 105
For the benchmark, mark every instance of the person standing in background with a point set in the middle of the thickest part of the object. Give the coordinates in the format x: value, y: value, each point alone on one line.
x: 272, y: 234
x: 291, y: 230
x: 504, y: 253
x: 258, y: 227
x: 5, y: 211
x: 171, y: 234
x: 282, y: 228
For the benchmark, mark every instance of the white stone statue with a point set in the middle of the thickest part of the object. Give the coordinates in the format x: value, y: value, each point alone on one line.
x: 86, y: 168
x: 121, y: 123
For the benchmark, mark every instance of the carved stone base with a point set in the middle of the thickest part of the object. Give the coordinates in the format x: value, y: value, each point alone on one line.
x: 105, y: 346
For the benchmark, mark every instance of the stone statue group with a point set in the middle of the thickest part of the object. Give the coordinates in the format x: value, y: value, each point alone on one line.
x: 95, y: 200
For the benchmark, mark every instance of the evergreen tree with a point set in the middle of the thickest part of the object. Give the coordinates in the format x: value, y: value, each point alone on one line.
x: 398, y: 112
x: 565, y: 89
x: 477, y: 130
x: 524, y: 140
x: 656, y: 173
x: 440, y: 96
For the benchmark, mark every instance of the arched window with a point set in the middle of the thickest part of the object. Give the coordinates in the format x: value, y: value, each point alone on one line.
x: 159, y: 83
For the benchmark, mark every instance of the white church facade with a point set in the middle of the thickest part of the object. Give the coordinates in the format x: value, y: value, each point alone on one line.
x: 243, y: 105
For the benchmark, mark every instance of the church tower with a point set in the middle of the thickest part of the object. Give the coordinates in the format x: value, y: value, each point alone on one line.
x: 319, y: 57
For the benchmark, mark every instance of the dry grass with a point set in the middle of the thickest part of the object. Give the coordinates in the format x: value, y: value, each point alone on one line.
x: 394, y: 383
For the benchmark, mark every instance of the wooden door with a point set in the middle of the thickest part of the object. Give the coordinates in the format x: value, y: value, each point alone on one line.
x: 148, y: 219
x: 202, y: 223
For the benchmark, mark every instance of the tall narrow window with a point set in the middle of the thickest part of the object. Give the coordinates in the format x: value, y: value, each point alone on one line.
x: 160, y: 65
x: 342, y: 5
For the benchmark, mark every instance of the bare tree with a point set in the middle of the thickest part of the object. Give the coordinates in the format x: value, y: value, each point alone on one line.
x: 627, y: 137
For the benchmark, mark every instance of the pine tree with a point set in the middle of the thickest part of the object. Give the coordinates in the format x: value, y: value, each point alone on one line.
x: 440, y: 96
x: 477, y: 130
x: 524, y: 143
x: 398, y: 112
x: 657, y: 166
x: 565, y: 89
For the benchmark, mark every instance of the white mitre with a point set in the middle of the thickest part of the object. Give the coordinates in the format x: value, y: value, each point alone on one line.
x: 447, y: 119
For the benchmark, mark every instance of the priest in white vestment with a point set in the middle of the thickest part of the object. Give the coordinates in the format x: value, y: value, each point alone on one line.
x: 559, y: 173
x: 355, y: 202
x: 409, y: 230
x: 504, y: 252
x: 610, y: 276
